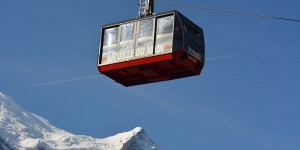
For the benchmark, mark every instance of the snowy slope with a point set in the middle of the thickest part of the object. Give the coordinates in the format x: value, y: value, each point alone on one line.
x: 20, y: 129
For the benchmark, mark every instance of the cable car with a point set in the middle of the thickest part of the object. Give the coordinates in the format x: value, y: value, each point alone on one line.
x: 151, y: 48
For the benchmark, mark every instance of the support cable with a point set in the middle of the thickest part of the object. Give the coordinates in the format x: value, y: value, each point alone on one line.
x: 229, y: 11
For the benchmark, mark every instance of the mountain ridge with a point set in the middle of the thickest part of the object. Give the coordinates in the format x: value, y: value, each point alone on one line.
x: 20, y: 129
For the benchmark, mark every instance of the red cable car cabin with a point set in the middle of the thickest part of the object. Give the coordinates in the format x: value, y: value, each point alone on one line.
x: 150, y: 49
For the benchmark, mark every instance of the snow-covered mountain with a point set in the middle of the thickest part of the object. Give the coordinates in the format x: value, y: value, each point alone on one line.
x: 20, y: 129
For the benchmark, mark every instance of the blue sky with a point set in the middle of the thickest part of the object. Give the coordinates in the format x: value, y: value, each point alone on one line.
x: 247, y: 96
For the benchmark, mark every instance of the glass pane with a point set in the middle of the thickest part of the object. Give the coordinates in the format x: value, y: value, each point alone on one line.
x: 127, y: 34
x: 127, y: 31
x: 193, y: 48
x: 110, y: 36
x: 126, y: 50
x: 164, y: 35
x: 146, y: 28
x: 109, y: 45
x: 144, y: 45
x: 165, y: 25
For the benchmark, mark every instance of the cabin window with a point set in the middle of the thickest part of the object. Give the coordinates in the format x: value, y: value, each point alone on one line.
x: 144, y: 46
x: 110, y: 37
x: 165, y: 25
x: 192, y: 32
x: 178, y: 36
x: 127, y: 32
x: 193, y: 42
x: 146, y: 28
x: 164, y: 34
x: 126, y: 45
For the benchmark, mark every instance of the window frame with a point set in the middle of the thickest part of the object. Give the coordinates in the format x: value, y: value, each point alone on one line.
x: 136, y: 32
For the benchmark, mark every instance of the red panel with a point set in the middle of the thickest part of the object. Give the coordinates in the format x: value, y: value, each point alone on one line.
x: 153, y: 69
x: 135, y: 62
